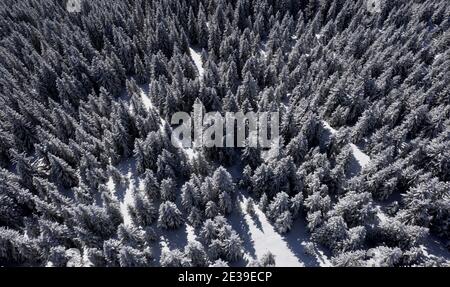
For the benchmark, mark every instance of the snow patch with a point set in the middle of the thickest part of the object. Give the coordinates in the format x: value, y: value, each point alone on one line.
x: 197, y: 58
x: 263, y: 50
x: 146, y: 101
x: 362, y: 158
x: 271, y: 153
x: 329, y: 128
x: 190, y: 153
x: 127, y: 201
x: 266, y: 239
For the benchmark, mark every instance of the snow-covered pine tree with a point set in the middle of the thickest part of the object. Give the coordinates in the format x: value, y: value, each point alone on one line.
x: 168, y: 189
x: 61, y: 173
x: 169, y: 216
x: 196, y: 254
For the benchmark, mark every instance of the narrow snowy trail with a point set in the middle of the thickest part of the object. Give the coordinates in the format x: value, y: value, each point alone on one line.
x: 197, y: 58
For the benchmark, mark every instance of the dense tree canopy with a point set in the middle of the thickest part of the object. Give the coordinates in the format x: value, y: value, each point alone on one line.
x: 88, y: 173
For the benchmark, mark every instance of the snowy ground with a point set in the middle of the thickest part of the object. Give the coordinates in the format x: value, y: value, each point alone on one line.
x: 288, y: 249
x: 197, y: 58
x: 146, y: 100
x: 264, y: 238
x: 362, y: 158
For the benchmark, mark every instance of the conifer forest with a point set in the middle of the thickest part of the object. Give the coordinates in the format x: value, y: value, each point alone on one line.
x: 92, y: 176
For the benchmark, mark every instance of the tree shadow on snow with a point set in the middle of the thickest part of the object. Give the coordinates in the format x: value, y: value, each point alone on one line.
x: 126, y: 168
x: 256, y: 221
x: 171, y: 239
x: 294, y: 239
x: 239, y: 224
